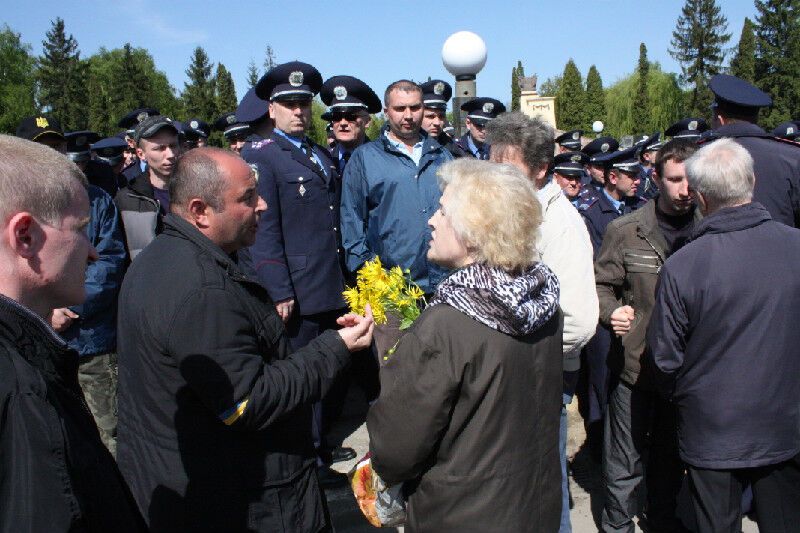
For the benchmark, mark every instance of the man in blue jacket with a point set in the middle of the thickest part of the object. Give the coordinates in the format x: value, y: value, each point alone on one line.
x: 390, y: 190
x: 723, y: 337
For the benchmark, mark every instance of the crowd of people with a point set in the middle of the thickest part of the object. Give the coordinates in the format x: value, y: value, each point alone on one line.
x: 175, y: 346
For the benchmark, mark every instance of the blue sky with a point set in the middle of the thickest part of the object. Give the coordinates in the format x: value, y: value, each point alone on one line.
x: 375, y: 40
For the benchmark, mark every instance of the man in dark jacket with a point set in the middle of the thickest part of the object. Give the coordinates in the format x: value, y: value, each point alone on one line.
x: 56, y: 473
x: 145, y: 201
x: 634, y: 249
x: 214, y: 431
x: 776, y: 161
x: 724, y: 338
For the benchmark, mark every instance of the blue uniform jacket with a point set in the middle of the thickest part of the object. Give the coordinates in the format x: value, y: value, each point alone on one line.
x: 387, y: 201
x: 597, y: 212
x: 776, y: 164
x: 297, y: 252
x: 95, y: 332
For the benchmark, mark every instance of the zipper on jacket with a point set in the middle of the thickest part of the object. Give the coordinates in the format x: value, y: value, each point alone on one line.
x: 661, y: 262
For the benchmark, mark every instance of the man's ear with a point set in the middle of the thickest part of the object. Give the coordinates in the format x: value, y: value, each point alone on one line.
x: 199, y: 213
x: 24, y: 235
x: 140, y: 154
x: 612, y: 177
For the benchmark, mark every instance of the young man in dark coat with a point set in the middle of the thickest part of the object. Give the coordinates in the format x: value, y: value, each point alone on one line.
x: 214, y: 406
x: 724, y: 338
x: 56, y: 473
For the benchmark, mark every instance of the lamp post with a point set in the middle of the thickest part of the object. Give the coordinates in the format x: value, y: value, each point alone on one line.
x: 597, y: 128
x: 463, y: 55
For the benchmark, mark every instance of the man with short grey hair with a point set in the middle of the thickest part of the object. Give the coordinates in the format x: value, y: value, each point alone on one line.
x: 56, y: 473
x: 564, y: 245
x: 723, y: 338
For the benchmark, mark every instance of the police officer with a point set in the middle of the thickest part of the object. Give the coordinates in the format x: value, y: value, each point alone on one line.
x: 235, y: 132
x: 129, y: 122
x: 254, y: 112
x: 648, y: 148
x: 568, y: 170
x: 297, y: 253
x: 195, y: 133
x: 98, y: 173
x: 690, y: 129
x: 789, y: 130
x: 569, y: 141
x: 595, y: 171
x: 776, y: 161
x: 435, y: 95
x: 479, y: 111
x: 350, y: 102
x: 111, y: 151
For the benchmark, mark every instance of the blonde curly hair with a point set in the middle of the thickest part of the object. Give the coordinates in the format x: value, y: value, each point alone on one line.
x: 494, y: 210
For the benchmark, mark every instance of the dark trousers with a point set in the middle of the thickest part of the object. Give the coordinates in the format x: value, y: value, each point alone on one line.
x: 592, y: 390
x: 638, y: 420
x: 301, y: 330
x: 717, y: 496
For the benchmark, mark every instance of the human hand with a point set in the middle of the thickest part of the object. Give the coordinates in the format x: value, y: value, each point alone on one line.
x: 62, y: 318
x: 621, y: 319
x: 285, y: 308
x: 357, y: 330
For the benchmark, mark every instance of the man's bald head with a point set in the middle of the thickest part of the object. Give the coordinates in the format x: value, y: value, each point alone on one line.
x: 199, y: 173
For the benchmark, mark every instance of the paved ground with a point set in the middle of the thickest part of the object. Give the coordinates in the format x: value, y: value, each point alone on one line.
x: 585, y: 479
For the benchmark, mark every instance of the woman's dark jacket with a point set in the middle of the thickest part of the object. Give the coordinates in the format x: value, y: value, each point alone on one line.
x: 469, y: 416
x: 55, y: 473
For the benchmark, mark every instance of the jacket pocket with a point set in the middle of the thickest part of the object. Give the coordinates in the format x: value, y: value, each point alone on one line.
x: 641, y: 261
x: 301, y: 188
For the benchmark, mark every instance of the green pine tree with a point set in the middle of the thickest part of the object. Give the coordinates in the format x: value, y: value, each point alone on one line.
x: 549, y: 87
x: 16, y: 80
x: 61, y: 77
x: 777, y: 67
x: 698, y: 44
x: 595, y: 97
x: 516, y: 73
x: 252, y: 74
x: 743, y: 64
x: 641, y: 104
x: 226, y: 90
x: 130, y: 85
x: 571, y: 99
x: 198, y: 93
x: 270, y: 61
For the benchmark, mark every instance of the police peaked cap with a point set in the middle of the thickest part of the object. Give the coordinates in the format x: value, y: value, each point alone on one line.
x: 290, y: 81
x: 570, y: 139
x: 436, y: 94
x: 483, y: 108
x: 347, y: 92
x: 251, y: 108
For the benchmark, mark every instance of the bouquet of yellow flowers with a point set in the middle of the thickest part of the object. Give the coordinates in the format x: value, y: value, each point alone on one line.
x: 387, y: 291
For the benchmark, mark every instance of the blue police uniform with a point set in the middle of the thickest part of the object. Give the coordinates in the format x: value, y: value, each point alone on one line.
x: 776, y: 161
x: 480, y: 111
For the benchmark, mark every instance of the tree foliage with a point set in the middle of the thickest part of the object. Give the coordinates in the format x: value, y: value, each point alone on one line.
x: 61, y: 78
x: 595, y: 96
x: 571, y: 99
x: 641, y: 103
x: 252, y: 74
x: 122, y: 80
x: 743, y: 64
x: 698, y: 45
x: 516, y: 73
x: 663, y: 93
x: 549, y: 87
x: 270, y: 61
x: 198, y: 93
x: 777, y: 67
x: 16, y: 80
x: 226, y: 91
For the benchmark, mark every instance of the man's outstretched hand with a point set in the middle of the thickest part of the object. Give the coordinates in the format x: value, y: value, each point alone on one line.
x: 357, y: 330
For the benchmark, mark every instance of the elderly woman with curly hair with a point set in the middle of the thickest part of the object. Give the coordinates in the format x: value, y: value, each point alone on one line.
x: 469, y: 407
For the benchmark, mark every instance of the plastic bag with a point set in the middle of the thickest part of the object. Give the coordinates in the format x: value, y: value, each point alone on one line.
x: 381, y: 505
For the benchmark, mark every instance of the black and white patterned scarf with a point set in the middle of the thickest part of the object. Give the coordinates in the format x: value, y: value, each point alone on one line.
x: 517, y: 305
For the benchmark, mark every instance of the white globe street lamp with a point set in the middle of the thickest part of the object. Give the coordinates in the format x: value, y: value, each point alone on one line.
x: 597, y: 127
x: 463, y: 55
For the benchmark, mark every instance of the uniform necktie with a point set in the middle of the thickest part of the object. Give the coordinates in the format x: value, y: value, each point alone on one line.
x: 306, y: 147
